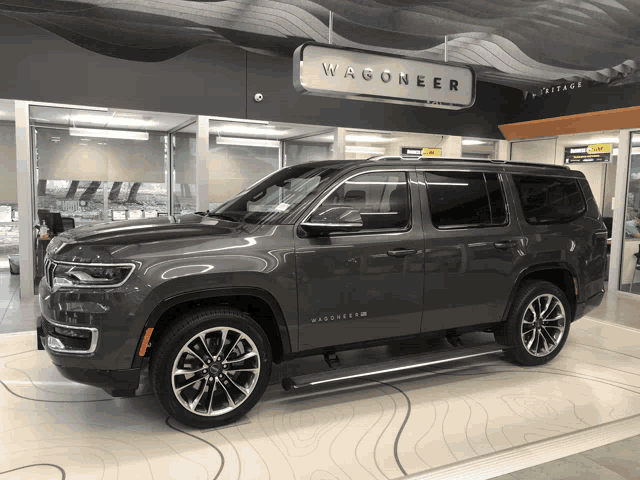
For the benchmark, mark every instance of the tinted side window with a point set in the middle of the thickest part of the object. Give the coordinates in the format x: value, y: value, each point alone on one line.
x: 381, y: 198
x: 547, y: 200
x: 465, y: 199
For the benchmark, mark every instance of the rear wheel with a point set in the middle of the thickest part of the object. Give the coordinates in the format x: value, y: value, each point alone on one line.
x: 538, y: 325
x: 212, y: 367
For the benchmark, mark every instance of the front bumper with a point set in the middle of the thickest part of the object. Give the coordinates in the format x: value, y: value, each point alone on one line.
x: 117, y: 383
x: 95, y: 329
x: 585, y: 307
x: 92, y: 336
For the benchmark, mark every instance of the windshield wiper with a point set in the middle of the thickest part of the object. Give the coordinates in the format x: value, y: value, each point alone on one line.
x: 219, y: 215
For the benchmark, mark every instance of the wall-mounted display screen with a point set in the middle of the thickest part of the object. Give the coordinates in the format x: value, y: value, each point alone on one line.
x: 588, y: 153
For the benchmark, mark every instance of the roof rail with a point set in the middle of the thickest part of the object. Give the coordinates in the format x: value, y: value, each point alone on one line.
x: 387, y: 157
x: 468, y: 159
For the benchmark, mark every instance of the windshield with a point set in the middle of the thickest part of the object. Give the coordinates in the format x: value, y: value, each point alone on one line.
x: 271, y: 199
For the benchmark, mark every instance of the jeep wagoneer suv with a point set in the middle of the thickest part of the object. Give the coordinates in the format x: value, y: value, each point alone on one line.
x: 317, y: 258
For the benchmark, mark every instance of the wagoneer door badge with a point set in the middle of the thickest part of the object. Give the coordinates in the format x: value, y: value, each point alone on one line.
x: 340, y: 316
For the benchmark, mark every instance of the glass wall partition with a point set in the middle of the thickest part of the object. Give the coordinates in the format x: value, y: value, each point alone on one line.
x: 241, y: 153
x: 8, y: 188
x: 630, y: 261
x: 479, y: 148
x: 95, y: 166
x: 600, y: 173
x: 360, y: 145
x: 309, y: 148
x: 183, y: 145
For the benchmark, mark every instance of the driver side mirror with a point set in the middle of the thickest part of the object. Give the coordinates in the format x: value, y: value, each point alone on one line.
x: 332, y: 219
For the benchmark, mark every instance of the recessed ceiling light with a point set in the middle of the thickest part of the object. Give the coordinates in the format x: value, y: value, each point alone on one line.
x: 245, y: 130
x: 368, y: 138
x: 362, y: 149
x: 112, y: 121
x: 122, y: 134
x: 469, y: 141
x: 247, y: 142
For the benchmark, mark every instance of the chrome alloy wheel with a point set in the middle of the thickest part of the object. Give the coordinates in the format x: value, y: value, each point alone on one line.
x: 543, y: 325
x: 215, y: 371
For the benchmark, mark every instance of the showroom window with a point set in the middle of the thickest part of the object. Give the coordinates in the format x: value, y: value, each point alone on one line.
x: 630, y: 267
x: 381, y: 198
x: 9, y: 234
x: 273, y: 198
x: 465, y: 199
x: 549, y: 200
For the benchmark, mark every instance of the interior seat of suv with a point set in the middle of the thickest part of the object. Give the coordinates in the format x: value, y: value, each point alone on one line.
x: 398, y: 203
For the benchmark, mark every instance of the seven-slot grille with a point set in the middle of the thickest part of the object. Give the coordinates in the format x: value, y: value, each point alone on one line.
x: 49, y: 269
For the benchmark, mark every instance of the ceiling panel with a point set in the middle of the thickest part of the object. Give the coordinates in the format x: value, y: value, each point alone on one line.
x: 524, y: 44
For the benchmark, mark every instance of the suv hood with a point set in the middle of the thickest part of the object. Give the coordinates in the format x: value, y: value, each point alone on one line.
x: 149, y: 230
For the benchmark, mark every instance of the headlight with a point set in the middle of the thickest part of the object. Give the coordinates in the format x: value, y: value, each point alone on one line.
x: 86, y: 275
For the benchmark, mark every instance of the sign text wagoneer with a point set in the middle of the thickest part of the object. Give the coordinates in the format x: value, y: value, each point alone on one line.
x: 357, y: 74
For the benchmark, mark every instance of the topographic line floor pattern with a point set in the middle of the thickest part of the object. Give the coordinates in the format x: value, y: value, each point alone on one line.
x: 377, y: 428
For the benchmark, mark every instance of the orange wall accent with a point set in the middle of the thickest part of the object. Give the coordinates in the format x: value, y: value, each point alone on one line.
x: 582, y: 123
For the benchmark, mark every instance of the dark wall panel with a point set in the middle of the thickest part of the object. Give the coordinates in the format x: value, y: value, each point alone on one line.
x: 273, y: 77
x: 217, y: 80
x: 39, y: 66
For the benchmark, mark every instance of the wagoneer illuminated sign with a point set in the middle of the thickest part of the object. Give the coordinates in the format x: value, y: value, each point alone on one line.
x: 332, y: 71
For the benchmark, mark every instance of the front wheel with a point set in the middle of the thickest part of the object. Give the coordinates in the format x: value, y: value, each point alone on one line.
x: 538, y: 325
x: 211, y: 367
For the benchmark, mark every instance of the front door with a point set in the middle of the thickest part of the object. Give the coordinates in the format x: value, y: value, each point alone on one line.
x: 367, y: 285
x: 473, y: 248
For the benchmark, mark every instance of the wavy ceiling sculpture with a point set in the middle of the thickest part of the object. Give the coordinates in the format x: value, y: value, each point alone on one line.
x: 519, y: 43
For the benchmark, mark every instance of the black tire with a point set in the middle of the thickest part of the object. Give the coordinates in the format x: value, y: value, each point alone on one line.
x: 218, y: 385
x: 522, y: 339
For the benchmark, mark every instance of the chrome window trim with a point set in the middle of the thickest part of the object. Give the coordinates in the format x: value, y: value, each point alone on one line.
x: 332, y: 224
x: 55, y: 263
x: 387, y: 231
x: 94, y: 338
x: 501, y: 179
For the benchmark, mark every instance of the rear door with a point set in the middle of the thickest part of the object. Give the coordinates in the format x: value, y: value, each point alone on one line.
x: 473, y: 246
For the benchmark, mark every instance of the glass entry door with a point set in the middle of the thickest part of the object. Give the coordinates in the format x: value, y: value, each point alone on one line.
x: 630, y: 261
x: 93, y: 166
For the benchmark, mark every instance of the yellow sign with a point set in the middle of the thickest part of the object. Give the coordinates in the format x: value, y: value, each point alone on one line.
x: 599, y: 148
x: 431, y: 152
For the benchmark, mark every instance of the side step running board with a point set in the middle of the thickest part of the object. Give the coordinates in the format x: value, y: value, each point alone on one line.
x: 403, y: 363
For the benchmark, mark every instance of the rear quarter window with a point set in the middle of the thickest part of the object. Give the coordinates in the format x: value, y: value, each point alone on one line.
x: 549, y: 200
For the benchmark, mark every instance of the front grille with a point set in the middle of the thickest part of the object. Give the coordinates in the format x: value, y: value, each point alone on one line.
x: 49, y: 269
x: 73, y: 344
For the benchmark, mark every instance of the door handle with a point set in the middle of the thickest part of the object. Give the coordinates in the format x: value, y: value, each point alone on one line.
x: 506, y: 245
x: 402, y: 252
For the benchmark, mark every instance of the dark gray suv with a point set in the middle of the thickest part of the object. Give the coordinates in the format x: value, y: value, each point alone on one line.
x: 321, y: 257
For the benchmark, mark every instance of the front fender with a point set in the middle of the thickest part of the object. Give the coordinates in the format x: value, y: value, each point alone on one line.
x: 205, y: 294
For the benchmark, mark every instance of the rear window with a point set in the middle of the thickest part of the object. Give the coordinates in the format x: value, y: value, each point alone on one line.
x: 465, y: 199
x: 549, y: 200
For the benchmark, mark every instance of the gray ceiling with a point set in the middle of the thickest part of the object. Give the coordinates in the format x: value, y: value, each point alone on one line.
x: 525, y: 44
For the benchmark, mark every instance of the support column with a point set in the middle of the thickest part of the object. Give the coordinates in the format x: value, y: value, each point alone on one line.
x: 452, y: 147
x: 502, y: 150
x: 26, y: 199
x: 620, y: 201
x: 339, y: 144
x: 202, y: 167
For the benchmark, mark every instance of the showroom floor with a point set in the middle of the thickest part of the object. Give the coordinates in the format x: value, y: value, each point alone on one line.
x: 488, y: 418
